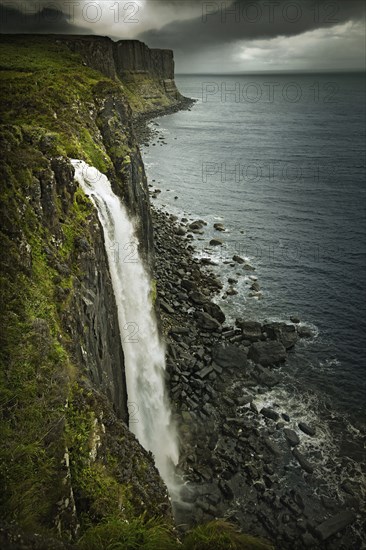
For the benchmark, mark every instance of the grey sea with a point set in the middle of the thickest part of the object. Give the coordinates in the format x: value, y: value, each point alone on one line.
x: 279, y: 160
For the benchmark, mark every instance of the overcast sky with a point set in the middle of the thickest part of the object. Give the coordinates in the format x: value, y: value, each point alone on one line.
x: 212, y: 37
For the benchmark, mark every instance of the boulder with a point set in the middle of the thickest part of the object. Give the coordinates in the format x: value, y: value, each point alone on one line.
x: 308, y: 430
x: 282, y: 332
x: 269, y: 413
x: 197, y: 298
x: 238, y: 259
x: 206, y: 322
x: 219, y: 227
x: 166, y: 307
x: 215, y: 242
x: 187, y: 284
x: 333, y: 525
x: 265, y: 376
x: 304, y: 331
x: 229, y: 357
x: 304, y: 463
x: 180, y: 230
x: 215, y: 311
x: 252, y: 330
x: 295, y: 319
x: 291, y: 437
x: 267, y: 353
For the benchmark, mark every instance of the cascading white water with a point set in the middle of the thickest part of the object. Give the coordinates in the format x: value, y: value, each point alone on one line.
x: 150, y: 415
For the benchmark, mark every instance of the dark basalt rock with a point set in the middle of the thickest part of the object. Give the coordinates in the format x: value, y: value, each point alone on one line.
x: 304, y: 331
x: 291, y: 437
x: 334, y: 524
x: 215, y: 311
x: 282, y: 332
x: 215, y: 242
x: 270, y: 413
x: 252, y: 330
x: 206, y: 322
x: 308, y: 430
x: 304, y: 463
x: 267, y: 353
x: 229, y: 357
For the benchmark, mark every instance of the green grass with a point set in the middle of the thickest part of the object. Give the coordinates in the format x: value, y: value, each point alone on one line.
x: 45, y: 87
x: 221, y: 535
x: 155, y: 534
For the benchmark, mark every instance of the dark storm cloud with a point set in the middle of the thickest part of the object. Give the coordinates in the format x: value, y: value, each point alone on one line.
x: 227, y: 22
x: 36, y: 20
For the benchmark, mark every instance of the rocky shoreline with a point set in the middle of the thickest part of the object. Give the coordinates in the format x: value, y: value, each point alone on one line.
x: 241, y: 462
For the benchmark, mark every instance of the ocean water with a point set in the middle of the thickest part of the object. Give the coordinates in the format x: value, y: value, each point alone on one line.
x: 280, y: 161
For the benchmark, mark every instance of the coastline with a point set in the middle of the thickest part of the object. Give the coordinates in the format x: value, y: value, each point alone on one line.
x: 230, y: 448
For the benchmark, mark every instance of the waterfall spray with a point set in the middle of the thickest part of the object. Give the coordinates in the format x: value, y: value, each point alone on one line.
x: 150, y: 415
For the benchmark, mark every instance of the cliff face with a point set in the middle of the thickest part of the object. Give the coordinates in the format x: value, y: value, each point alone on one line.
x: 67, y: 460
x: 149, y: 73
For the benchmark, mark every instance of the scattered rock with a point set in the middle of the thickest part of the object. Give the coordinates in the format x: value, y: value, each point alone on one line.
x: 304, y: 463
x: 295, y: 319
x: 267, y: 353
x: 229, y: 356
x: 166, y: 307
x: 215, y: 242
x: 206, y: 322
x: 215, y: 311
x: 219, y: 227
x: 252, y: 330
x: 304, y: 331
x: 308, y: 430
x: 334, y: 524
x: 291, y: 437
x: 269, y: 413
x: 238, y: 259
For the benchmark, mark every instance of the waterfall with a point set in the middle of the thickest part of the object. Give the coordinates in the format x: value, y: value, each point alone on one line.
x: 149, y: 411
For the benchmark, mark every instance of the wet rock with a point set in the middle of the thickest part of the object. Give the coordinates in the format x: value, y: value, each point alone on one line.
x: 304, y: 331
x: 291, y: 437
x: 187, y: 284
x: 267, y: 353
x: 308, y: 430
x: 272, y: 446
x: 219, y: 227
x: 304, y: 463
x: 215, y: 311
x: 334, y: 524
x: 252, y: 330
x: 206, y: 322
x: 205, y: 372
x: 265, y: 376
x: 231, y: 291
x: 269, y: 413
x: 181, y: 230
x: 196, y: 225
x: 295, y: 319
x: 238, y: 259
x: 229, y: 356
x: 282, y: 332
x: 197, y: 298
x: 216, y: 242
x: 166, y: 307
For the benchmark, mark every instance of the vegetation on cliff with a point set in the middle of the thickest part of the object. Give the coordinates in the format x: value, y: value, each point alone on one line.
x: 69, y: 466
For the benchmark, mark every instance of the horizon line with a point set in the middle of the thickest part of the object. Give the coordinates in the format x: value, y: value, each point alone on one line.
x: 280, y: 71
